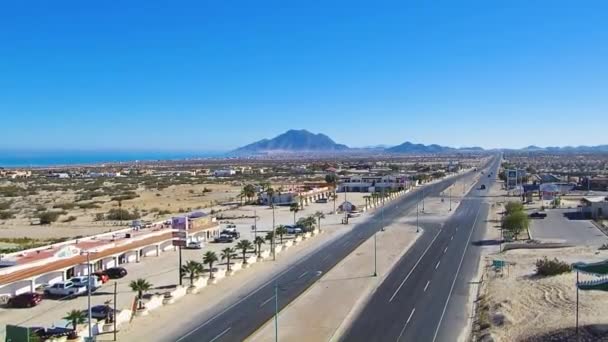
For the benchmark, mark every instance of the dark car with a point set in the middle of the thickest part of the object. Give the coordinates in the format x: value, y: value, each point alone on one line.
x: 231, y: 232
x: 25, y: 300
x: 483, y: 187
x: 101, y: 311
x: 223, y: 239
x: 115, y: 272
x: 538, y: 215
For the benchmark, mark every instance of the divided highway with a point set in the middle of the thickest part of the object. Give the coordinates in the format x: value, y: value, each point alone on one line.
x: 241, y: 318
x: 424, y: 296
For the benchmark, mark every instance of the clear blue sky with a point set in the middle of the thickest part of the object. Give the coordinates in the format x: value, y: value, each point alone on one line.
x: 213, y: 75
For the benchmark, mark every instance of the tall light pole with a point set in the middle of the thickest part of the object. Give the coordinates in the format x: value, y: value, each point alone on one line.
x: 255, y: 224
x: 274, y: 254
x: 375, y: 256
x: 417, y: 220
x: 276, y: 312
x: 89, y: 269
x: 422, y: 199
x: 450, y: 198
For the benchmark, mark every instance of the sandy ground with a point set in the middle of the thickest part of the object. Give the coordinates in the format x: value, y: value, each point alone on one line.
x: 521, y: 306
x: 175, y: 198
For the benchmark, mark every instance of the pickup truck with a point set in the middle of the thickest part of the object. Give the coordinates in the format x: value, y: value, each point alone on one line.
x: 64, y: 289
x: 82, y: 281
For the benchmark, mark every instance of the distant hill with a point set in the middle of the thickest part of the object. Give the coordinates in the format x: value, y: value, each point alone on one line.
x: 293, y: 141
x: 408, y: 147
x: 570, y: 149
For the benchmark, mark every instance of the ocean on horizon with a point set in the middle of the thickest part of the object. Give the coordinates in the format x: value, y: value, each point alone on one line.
x: 32, y: 158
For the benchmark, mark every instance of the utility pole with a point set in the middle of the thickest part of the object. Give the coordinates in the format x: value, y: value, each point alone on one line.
x: 417, y: 221
x: 276, y: 312
x: 255, y: 224
x: 274, y: 254
x: 450, y: 198
x: 114, y: 312
x: 179, y: 249
x: 375, y: 256
x: 577, y: 336
x: 89, y: 278
x: 422, y: 199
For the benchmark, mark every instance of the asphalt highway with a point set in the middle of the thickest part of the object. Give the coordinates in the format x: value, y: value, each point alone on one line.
x: 424, y: 296
x: 238, y: 320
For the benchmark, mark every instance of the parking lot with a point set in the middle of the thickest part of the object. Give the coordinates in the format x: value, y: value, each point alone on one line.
x: 558, y: 227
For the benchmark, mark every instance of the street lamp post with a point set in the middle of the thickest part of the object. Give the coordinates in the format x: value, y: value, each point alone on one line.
x: 375, y: 257
x: 450, y: 199
x: 417, y: 220
x: 274, y: 254
x: 255, y: 225
x: 89, y: 269
x: 276, y: 312
x: 577, y: 336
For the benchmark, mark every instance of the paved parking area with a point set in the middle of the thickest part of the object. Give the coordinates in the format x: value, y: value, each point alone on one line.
x: 557, y: 227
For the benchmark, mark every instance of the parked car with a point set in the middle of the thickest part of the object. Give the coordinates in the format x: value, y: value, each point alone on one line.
x: 231, y: 226
x: 64, y: 289
x: 321, y: 200
x: 93, y: 281
x: 102, y: 277
x: 538, y: 215
x: 101, y: 311
x: 25, y: 300
x: 115, y: 272
x: 193, y: 245
x: 293, y: 230
x: 231, y: 232
x: 354, y: 214
x: 483, y: 187
x: 223, y: 238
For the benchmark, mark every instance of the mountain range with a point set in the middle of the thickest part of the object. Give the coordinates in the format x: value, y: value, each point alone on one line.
x: 294, y: 141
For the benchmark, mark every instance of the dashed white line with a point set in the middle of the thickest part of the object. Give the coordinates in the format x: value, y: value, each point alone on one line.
x: 438, y: 262
x: 456, y: 275
x: 427, y: 285
x: 405, y: 325
x: 445, y: 250
x: 327, y: 256
x: 413, y: 268
x: 266, y: 301
x: 452, y: 238
x: 303, y: 274
x: 220, y: 335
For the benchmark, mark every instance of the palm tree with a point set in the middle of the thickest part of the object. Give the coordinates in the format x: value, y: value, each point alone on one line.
x: 319, y: 215
x: 209, y: 258
x: 294, y: 207
x: 244, y: 246
x: 281, y: 230
x: 307, y: 223
x: 227, y: 254
x: 193, y: 269
x: 248, y: 191
x: 75, y: 317
x: 270, y: 193
x: 140, y: 286
x: 259, y: 241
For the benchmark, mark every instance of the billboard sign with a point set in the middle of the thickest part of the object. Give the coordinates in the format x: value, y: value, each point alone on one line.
x: 179, y: 222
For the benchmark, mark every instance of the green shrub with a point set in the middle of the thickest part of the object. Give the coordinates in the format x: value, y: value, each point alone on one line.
x: 546, y: 267
x: 122, y: 214
x: 513, y: 207
x: 69, y: 219
x: 91, y: 205
x: 64, y: 206
x: 5, y: 205
x: 48, y: 217
x: 6, y: 215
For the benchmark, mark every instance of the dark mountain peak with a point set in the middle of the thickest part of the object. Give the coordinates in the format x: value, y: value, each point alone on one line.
x: 294, y: 141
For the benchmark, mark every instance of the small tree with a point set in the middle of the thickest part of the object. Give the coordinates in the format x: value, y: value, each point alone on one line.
x: 281, y: 230
x: 48, y: 217
x: 259, y: 241
x: 244, y: 246
x: 294, y: 207
x: 192, y: 269
x: 270, y: 194
x: 75, y: 317
x: 319, y: 215
x: 546, y: 267
x: 140, y: 286
x: 516, y: 223
x: 227, y: 254
x: 512, y: 207
x: 210, y: 258
x: 307, y: 223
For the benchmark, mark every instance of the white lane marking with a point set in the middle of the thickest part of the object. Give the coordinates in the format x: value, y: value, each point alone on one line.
x: 452, y: 238
x: 405, y: 325
x: 303, y: 274
x: 237, y: 303
x: 413, y: 268
x: 266, y: 301
x: 327, y: 256
x: 456, y: 275
x: 427, y: 285
x: 445, y: 250
x: 220, y: 335
x: 437, y: 266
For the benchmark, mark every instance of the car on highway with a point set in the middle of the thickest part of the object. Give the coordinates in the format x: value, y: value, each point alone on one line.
x: 193, y: 245
x: 115, y: 272
x: 25, y: 300
x: 223, y: 238
x: 93, y: 281
x: 64, y: 289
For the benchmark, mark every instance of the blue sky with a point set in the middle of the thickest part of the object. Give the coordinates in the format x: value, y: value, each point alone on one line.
x: 213, y: 75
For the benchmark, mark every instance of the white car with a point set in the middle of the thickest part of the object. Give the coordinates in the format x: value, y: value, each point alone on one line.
x: 64, y: 289
x: 193, y: 245
x: 83, y: 280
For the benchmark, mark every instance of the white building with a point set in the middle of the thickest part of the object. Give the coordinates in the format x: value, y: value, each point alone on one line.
x: 365, y: 183
x: 224, y: 173
x: 595, y: 207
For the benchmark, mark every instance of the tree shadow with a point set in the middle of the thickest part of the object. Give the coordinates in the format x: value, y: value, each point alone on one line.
x: 347, y: 278
x: 488, y: 242
x: 575, y: 216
